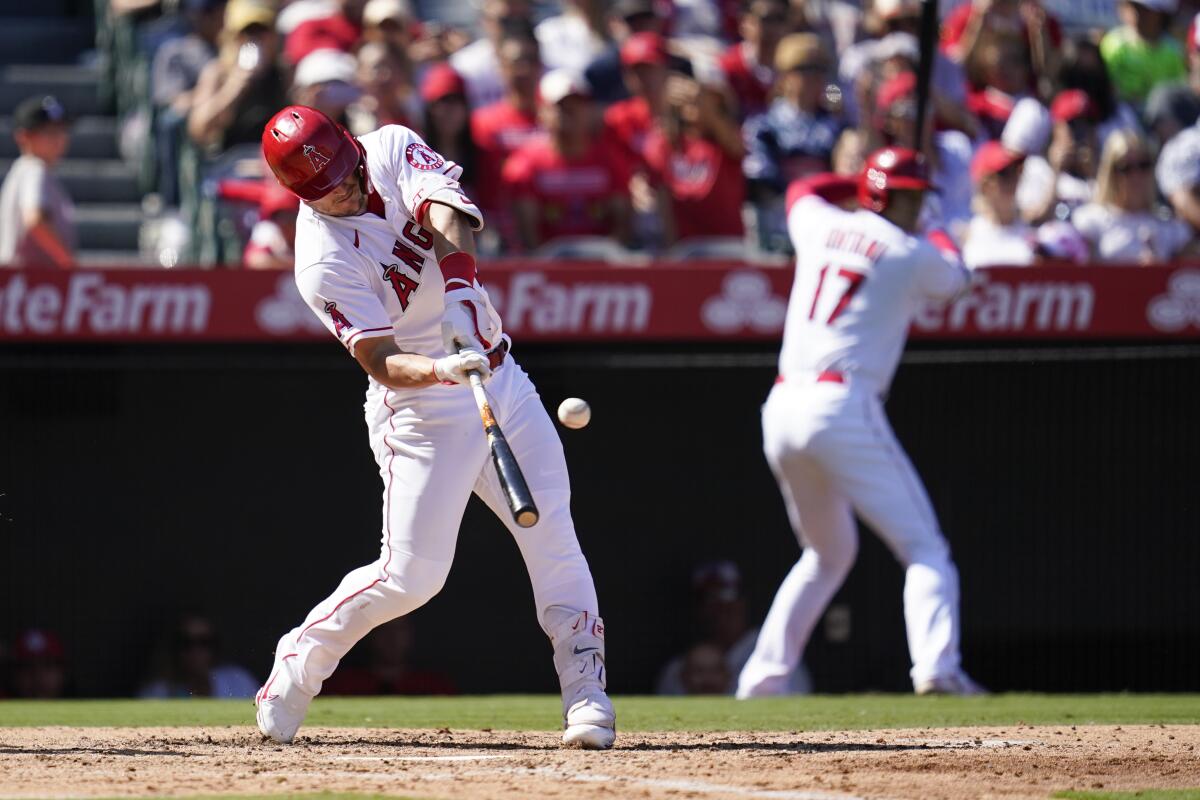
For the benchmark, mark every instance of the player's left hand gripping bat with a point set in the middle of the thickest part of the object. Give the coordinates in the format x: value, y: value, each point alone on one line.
x: 512, y: 481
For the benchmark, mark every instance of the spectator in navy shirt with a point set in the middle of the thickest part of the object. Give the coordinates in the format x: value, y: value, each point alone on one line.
x: 794, y: 137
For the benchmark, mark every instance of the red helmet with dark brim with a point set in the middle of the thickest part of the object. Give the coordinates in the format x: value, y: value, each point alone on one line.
x: 309, y: 153
x: 890, y: 169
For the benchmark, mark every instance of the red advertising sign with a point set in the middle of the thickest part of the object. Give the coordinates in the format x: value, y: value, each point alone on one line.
x: 591, y: 302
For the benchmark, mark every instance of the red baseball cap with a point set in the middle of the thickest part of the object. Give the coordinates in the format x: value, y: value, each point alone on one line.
x: 441, y: 81
x: 1193, y: 35
x: 1072, y: 104
x: 644, y: 48
x: 991, y: 158
x: 896, y: 88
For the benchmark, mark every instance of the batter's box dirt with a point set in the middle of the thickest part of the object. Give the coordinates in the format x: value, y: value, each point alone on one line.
x: 465, y: 765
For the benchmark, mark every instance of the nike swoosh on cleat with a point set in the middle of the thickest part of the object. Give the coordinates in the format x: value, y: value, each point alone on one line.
x: 579, y: 652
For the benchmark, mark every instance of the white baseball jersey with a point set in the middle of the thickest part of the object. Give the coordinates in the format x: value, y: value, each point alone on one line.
x: 369, y: 275
x: 859, y: 282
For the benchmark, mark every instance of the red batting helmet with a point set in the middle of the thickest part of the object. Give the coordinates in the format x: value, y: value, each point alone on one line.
x: 309, y: 153
x: 887, y: 170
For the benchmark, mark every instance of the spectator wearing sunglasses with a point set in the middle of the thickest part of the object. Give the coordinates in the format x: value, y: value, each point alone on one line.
x: 1121, y: 225
x: 997, y: 236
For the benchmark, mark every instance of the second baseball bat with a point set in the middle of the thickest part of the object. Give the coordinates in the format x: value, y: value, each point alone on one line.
x: 512, y: 481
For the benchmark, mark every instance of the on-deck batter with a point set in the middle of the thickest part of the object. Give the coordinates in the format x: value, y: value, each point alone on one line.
x: 385, y: 258
x: 860, y: 277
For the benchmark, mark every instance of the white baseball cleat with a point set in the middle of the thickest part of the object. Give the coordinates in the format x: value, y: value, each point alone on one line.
x: 589, y: 721
x: 280, y: 706
x: 957, y: 684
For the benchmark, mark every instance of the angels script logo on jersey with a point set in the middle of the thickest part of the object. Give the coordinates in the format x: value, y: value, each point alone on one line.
x: 422, y: 157
x: 1179, y: 308
x: 316, y: 157
x: 746, y: 301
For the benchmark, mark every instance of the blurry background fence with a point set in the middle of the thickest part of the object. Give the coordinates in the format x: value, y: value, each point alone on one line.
x: 140, y: 481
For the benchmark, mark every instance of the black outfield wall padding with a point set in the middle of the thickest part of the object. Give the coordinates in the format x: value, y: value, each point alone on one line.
x: 139, y: 482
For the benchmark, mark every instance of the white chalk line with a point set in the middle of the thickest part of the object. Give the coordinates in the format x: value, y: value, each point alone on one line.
x: 677, y: 784
x: 965, y: 744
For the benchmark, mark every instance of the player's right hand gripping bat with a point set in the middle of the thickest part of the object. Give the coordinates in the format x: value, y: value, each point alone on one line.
x: 512, y: 481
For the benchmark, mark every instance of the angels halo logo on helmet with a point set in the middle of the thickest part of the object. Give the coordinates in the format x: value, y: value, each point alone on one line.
x: 890, y: 169
x: 309, y: 153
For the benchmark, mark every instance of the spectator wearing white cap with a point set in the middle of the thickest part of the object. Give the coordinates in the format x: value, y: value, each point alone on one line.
x: 569, y: 182
x: 325, y: 80
x: 388, y: 22
x: 1057, y: 184
x: 1178, y: 174
x: 1140, y: 53
x: 1122, y: 224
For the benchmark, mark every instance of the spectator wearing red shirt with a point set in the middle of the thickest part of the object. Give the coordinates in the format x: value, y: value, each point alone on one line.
x: 697, y: 160
x: 1040, y: 31
x: 447, y: 123
x: 340, y: 31
x: 273, y: 237
x: 998, y: 76
x: 500, y: 128
x: 748, y: 64
x: 570, y: 182
x: 629, y: 122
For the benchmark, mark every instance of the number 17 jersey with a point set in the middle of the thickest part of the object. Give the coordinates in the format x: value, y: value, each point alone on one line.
x: 859, y: 282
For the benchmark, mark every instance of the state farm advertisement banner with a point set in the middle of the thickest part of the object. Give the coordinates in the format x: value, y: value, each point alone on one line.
x: 589, y: 302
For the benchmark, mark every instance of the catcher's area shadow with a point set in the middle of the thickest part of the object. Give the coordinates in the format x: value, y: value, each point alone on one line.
x: 87, y: 751
x: 782, y: 748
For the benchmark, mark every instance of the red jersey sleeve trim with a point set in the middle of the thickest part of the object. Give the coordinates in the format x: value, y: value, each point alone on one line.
x: 350, y: 341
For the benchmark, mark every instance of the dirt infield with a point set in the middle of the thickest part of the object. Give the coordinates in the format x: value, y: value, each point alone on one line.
x: 1017, y: 761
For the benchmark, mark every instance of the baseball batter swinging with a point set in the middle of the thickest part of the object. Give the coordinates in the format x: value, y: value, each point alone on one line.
x: 860, y: 277
x: 385, y: 258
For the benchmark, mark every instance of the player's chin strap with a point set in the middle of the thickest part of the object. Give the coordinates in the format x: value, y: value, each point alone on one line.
x: 578, y: 639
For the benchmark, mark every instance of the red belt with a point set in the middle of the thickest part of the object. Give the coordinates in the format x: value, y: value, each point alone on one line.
x: 496, y: 354
x: 826, y: 376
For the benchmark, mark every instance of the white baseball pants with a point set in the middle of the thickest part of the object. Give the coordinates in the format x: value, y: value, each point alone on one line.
x: 834, y: 454
x: 432, y: 454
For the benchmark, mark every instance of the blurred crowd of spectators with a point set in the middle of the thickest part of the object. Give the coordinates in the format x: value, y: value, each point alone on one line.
x: 187, y: 660
x: 658, y: 123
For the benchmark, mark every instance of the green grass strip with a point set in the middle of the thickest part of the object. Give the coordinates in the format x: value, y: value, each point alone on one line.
x: 635, y: 713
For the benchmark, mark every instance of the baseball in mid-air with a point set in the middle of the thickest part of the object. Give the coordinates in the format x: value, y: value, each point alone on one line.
x: 574, y: 413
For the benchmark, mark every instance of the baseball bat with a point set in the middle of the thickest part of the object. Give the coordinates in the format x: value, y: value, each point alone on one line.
x: 929, y: 37
x: 512, y: 481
